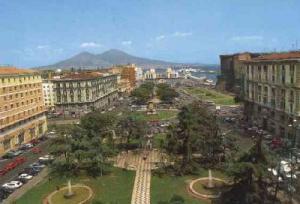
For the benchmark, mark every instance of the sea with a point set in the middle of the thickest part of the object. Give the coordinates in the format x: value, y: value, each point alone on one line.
x: 211, y: 76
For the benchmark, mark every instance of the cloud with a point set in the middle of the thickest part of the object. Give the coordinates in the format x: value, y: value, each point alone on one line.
x: 89, y: 44
x: 182, y: 34
x: 160, y: 37
x: 127, y: 43
x: 42, y: 47
x: 247, y: 38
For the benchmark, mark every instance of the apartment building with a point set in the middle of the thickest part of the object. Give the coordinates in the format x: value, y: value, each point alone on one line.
x: 22, y: 110
x: 78, y: 93
x: 231, y: 71
x: 48, y: 93
x: 127, y: 74
x: 272, y: 92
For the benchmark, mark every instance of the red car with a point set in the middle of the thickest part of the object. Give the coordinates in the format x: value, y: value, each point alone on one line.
x: 10, y: 166
x: 36, y: 150
x: 34, y: 142
x: 20, y: 160
x: 3, y: 172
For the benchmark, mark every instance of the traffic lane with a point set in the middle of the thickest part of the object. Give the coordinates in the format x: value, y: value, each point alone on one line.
x: 30, y: 158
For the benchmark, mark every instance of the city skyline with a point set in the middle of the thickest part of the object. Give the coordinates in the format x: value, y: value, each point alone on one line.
x: 43, y: 33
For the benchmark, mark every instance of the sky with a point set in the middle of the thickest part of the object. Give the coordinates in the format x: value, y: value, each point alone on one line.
x: 42, y: 32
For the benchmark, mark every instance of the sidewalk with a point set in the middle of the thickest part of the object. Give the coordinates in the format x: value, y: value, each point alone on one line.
x: 26, y: 187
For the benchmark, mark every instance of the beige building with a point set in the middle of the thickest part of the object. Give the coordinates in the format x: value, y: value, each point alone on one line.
x: 271, y: 91
x: 78, y: 93
x: 22, y: 110
x: 48, y: 92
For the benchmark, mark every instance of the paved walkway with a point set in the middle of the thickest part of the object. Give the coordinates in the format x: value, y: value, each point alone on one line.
x: 141, y: 189
x: 135, y: 161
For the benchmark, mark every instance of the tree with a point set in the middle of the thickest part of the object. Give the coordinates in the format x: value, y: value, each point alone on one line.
x: 143, y: 93
x: 83, y: 147
x: 165, y: 93
x: 248, y: 171
x: 132, y: 129
x: 196, y: 133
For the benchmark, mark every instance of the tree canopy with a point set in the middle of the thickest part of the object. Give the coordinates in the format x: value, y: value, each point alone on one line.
x: 143, y: 93
x: 165, y: 93
x: 197, y: 133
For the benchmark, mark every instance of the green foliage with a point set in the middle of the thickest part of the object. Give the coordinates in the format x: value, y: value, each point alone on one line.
x: 131, y: 128
x: 166, y: 93
x: 196, y: 133
x: 83, y: 147
x: 143, y: 93
x: 248, y: 171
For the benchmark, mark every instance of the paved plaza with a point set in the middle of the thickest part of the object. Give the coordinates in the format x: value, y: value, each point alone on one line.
x: 142, y: 163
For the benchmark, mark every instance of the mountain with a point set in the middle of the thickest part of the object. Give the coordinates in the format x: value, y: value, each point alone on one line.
x: 106, y: 59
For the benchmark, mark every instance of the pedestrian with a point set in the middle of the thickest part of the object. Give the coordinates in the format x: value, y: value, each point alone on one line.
x: 57, y: 188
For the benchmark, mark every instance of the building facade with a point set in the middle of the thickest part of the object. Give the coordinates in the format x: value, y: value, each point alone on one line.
x: 231, y: 71
x: 22, y: 109
x: 48, y: 92
x: 272, y: 92
x: 79, y: 93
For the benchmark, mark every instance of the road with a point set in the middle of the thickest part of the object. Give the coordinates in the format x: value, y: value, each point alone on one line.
x: 30, y: 158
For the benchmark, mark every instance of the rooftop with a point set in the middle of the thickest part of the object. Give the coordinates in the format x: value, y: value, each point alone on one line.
x: 278, y: 56
x: 80, y: 76
x: 13, y: 70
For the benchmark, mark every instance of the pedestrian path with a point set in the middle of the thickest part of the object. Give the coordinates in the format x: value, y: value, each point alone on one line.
x: 141, y: 189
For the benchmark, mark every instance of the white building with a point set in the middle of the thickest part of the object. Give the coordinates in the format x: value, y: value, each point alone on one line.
x: 170, y: 73
x: 150, y: 74
x: 49, y: 99
x: 138, y: 74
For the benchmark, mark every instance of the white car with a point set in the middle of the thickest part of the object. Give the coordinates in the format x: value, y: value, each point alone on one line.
x: 289, y: 176
x: 12, y: 185
x: 25, y: 176
x: 46, y: 158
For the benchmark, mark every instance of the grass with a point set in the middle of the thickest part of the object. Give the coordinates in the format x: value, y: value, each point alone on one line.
x: 113, y: 188
x: 161, y: 115
x: 157, y: 138
x: 162, y: 189
x: 80, y: 195
x: 211, y: 95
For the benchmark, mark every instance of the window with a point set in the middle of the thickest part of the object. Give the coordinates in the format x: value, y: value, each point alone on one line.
x: 292, y: 70
x: 273, y: 73
x: 282, y: 74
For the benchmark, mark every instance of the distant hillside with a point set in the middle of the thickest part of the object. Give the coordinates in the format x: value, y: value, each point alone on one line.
x: 88, y: 60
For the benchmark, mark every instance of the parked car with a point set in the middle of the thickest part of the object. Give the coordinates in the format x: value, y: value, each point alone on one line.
x: 3, y: 172
x: 36, y: 150
x: 19, y: 160
x: 34, y: 142
x: 12, y: 153
x: 37, y: 165
x: 26, y: 146
x: 31, y: 171
x: 46, y: 159
x: 3, y: 194
x: 25, y: 176
x: 12, y: 185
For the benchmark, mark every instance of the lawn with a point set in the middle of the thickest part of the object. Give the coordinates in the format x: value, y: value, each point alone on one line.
x: 81, y: 194
x: 162, y: 189
x: 161, y: 115
x: 157, y: 138
x: 113, y: 188
x: 211, y: 95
